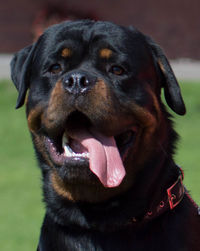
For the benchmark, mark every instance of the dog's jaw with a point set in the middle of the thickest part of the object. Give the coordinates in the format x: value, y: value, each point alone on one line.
x: 104, y: 155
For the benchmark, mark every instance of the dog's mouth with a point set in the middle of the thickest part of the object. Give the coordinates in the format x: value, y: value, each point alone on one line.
x: 82, y: 144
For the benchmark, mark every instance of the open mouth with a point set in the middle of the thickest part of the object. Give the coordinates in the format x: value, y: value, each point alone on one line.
x: 81, y: 143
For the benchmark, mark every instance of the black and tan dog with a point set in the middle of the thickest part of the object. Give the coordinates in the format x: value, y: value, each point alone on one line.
x: 104, y: 140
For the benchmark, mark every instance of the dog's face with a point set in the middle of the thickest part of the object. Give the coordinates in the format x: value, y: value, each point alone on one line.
x: 93, y: 107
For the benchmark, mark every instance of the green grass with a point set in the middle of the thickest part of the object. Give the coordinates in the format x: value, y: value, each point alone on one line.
x: 188, y: 127
x: 22, y: 210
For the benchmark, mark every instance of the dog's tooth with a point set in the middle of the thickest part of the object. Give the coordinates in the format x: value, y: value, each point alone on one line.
x: 86, y: 155
x: 65, y: 140
x: 68, y: 151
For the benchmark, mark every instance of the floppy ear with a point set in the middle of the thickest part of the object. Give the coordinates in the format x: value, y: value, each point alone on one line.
x: 171, y: 87
x: 20, y: 72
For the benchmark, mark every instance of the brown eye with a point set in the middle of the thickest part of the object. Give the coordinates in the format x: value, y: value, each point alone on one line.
x: 117, y: 70
x: 55, y: 69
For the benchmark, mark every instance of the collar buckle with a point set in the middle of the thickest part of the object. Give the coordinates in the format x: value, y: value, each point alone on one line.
x: 176, y: 192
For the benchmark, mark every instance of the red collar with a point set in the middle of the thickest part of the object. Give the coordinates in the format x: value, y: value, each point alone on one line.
x: 174, y: 195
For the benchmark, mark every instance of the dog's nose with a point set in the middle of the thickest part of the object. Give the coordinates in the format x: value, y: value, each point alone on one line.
x: 78, y: 83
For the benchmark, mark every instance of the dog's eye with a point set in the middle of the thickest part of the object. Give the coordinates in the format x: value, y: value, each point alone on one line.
x: 117, y: 70
x: 55, y: 69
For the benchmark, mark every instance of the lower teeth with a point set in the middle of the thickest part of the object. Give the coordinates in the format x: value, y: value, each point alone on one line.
x: 69, y: 153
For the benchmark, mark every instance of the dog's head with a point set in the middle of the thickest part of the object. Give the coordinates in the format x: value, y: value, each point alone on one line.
x: 93, y: 106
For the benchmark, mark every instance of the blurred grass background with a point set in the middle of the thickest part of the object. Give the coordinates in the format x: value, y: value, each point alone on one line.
x: 22, y: 210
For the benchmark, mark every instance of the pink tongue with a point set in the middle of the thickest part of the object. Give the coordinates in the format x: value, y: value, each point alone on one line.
x: 105, y: 160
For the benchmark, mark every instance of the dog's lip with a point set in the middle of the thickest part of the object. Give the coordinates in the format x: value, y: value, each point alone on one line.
x: 125, y: 140
x: 60, y: 158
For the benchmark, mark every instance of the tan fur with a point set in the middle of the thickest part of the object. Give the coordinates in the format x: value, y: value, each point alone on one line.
x: 105, y: 53
x: 66, y: 52
x: 34, y: 118
x: 60, y: 187
x: 55, y: 107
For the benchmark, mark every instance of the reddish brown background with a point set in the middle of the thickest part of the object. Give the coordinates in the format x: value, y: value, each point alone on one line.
x: 174, y: 24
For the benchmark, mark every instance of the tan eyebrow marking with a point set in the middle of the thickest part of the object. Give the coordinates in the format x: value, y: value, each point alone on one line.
x: 105, y: 53
x: 66, y: 52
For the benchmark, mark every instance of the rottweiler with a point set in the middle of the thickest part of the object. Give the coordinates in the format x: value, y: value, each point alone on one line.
x: 104, y: 139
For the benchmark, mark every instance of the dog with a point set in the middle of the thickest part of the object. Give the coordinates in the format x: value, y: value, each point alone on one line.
x: 104, y: 139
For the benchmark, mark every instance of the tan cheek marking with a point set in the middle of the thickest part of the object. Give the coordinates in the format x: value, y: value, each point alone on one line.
x: 59, y: 186
x: 148, y: 124
x: 105, y: 53
x: 145, y: 118
x: 100, y: 98
x: 101, y: 90
x: 146, y: 133
x: 56, y: 97
x: 34, y: 124
x: 66, y: 53
x: 152, y: 127
x: 55, y: 107
x: 34, y: 118
x: 149, y: 117
x: 106, y: 107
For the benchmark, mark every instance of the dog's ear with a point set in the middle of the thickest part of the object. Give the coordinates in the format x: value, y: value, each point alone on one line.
x: 171, y: 87
x: 20, y: 71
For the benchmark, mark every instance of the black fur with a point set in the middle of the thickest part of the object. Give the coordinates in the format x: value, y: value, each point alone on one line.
x: 93, y: 217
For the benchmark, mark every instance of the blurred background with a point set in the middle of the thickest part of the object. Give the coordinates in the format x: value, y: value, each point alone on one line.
x: 174, y: 24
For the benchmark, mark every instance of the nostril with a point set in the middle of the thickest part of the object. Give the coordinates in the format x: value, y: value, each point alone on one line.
x: 69, y: 82
x: 84, y: 82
